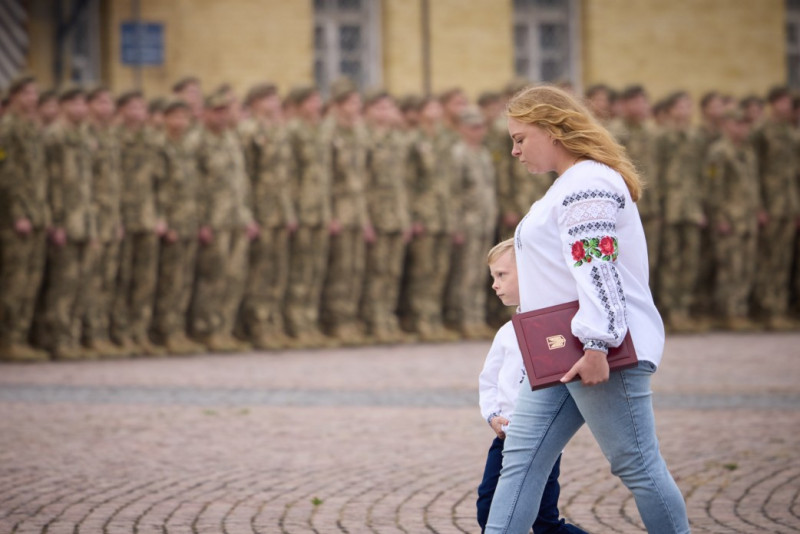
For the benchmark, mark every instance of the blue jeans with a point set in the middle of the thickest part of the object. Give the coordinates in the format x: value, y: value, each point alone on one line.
x: 547, y: 521
x: 620, y: 416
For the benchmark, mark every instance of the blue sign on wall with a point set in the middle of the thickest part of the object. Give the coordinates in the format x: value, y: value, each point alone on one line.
x: 142, y: 43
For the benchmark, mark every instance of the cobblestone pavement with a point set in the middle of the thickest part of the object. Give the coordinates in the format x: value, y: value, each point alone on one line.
x: 369, y: 440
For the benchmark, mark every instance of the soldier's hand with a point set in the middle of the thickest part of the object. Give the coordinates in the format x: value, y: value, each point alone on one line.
x: 724, y: 228
x: 497, y: 423
x: 408, y: 235
x: 161, y: 228
x: 458, y: 238
x: 23, y: 226
x: 369, y: 234
x: 334, y: 227
x: 171, y: 236
x: 206, y: 235
x: 511, y: 220
x: 120, y: 233
x: 763, y: 218
x: 58, y: 236
x: 252, y: 230
x: 292, y: 226
x: 418, y: 228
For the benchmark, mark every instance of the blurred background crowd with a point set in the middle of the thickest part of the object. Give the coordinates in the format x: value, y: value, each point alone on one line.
x: 319, y: 209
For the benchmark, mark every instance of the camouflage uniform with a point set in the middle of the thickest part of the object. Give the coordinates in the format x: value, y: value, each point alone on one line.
x: 474, y: 213
x: 176, y: 185
x: 776, y: 150
x: 138, y: 267
x: 69, y: 165
x: 23, y: 195
x: 706, y: 277
x: 223, y: 207
x: 680, y: 166
x: 309, y: 175
x: 430, y: 172
x: 387, y: 203
x: 732, y: 175
x: 268, y: 154
x: 640, y: 142
x: 343, y: 288
x: 106, y: 187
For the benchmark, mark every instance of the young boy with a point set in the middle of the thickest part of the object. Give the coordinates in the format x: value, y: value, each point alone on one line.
x: 502, y: 376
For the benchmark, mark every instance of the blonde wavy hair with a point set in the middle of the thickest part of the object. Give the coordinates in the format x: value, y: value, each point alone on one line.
x: 569, y: 122
x: 499, y: 249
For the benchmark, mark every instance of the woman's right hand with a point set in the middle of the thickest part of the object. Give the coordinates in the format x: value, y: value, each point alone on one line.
x: 498, y: 422
x: 592, y: 368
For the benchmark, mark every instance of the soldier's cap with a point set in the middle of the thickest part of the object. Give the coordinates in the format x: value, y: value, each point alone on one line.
x: 217, y: 100
x: 341, y: 88
x: 174, y: 104
x: 374, y: 95
x: 46, y: 96
x: 96, y: 91
x: 181, y: 84
x: 300, y: 94
x: 71, y: 93
x: 488, y: 97
x: 735, y: 114
x: 471, y: 116
x: 19, y: 83
x: 411, y: 103
x: 156, y: 105
x: 127, y: 96
x: 257, y: 92
x: 515, y: 86
x: 776, y: 93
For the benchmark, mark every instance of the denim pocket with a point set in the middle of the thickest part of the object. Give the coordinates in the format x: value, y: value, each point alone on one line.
x: 647, y: 366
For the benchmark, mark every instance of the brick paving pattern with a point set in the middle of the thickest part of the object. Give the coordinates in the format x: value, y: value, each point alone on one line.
x: 369, y: 440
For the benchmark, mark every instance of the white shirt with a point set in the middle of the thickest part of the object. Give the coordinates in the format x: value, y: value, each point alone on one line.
x: 503, y: 373
x: 584, y: 241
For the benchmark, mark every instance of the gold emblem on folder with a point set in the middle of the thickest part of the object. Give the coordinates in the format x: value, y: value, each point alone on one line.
x: 556, y: 342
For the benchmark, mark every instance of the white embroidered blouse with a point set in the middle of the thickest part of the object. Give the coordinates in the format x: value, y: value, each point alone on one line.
x: 584, y: 241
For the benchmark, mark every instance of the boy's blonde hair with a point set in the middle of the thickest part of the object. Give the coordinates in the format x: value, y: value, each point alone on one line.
x: 500, y: 249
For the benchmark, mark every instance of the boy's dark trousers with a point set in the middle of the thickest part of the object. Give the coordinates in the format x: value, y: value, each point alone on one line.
x: 547, y: 522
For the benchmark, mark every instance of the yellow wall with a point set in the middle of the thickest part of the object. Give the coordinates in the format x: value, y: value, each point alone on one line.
x: 471, y: 44
x: 737, y: 46
x: 242, y: 43
x: 402, y: 46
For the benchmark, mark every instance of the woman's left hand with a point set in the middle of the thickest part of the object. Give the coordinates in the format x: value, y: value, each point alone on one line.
x: 592, y: 368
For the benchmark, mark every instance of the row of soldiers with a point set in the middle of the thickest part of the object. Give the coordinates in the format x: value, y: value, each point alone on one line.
x: 294, y: 224
x: 722, y: 206
x: 213, y: 224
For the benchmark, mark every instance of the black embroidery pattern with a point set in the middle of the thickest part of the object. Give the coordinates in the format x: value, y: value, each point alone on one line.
x: 518, y: 233
x: 598, y: 227
x: 596, y: 344
x: 594, y: 193
x: 613, y: 303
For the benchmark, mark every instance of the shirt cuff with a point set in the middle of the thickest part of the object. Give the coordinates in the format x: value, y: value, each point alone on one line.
x: 491, y: 416
x: 596, y: 344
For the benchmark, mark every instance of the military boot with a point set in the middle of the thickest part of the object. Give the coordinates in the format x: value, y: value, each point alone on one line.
x: 17, y: 352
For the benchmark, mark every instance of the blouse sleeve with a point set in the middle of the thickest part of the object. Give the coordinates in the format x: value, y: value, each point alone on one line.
x: 588, y: 229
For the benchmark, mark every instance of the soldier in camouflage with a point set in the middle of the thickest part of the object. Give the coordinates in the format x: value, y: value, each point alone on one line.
x: 176, y: 183
x: 226, y: 229
x: 345, y: 141
x: 474, y: 212
x: 24, y: 218
x: 388, y: 207
x: 430, y: 172
x: 734, y: 203
x: 143, y: 227
x: 680, y: 166
x: 776, y: 147
x: 309, y: 175
x: 73, y: 232
x: 106, y: 187
x: 267, y: 153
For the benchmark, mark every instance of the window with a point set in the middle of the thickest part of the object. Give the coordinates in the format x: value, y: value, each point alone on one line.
x: 793, y: 43
x: 545, y: 40
x: 347, y: 42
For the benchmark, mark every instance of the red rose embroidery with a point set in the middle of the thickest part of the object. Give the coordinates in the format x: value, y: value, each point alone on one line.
x: 607, y: 246
x: 578, y: 252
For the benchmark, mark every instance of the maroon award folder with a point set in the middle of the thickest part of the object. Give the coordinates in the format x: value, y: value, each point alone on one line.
x: 549, y: 349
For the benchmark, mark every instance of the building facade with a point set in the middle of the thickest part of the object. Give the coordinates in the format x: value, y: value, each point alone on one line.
x: 409, y: 46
